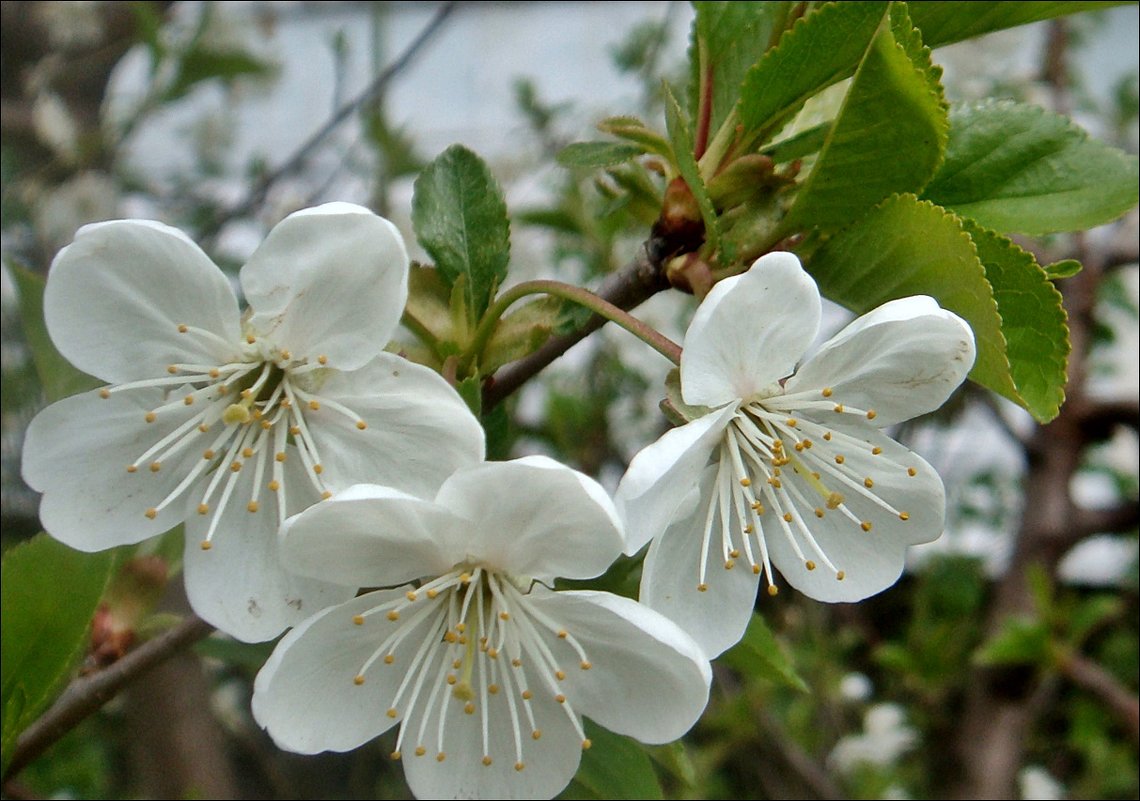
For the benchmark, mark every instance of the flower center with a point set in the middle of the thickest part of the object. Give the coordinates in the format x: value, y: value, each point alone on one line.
x: 781, y: 469
x: 471, y: 642
x: 246, y: 416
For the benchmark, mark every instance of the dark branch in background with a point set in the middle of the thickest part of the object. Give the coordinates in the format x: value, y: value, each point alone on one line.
x: 630, y: 286
x: 257, y: 195
x: 1091, y: 677
x: 86, y: 695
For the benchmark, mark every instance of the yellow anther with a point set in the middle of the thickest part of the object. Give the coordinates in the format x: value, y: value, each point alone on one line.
x: 440, y: 756
x: 791, y: 422
x: 266, y: 425
x: 585, y: 665
x: 215, y: 372
x: 451, y: 637
x: 420, y: 750
x: 358, y: 620
x: 827, y: 436
x: 875, y: 451
x: 868, y: 482
x: 274, y: 485
x: 395, y: 755
x: 295, y: 431
x: 188, y: 400
x: 799, y: 446
x: 151, y: 513
x: 865, y: 525
x: 208, y: 454
x: 318, y: 469
x: 562, y: 634
x: 389, y: 659
x: 203, y: 508
x: 904, y: 515
x: 536, y: 734
x: 452, y: 679
x: 323, y: 359
x: 872, y: 414
x: 746, y: 482
x: 840, y: 576
x: 834, y: 500
x: 826, y: 392
x: 809, y: 564
x: 358, y: 680
x: 182, y: 329
x: 586, y: 744
x: 734, y: 553
x: 729, y: 564
x: 326, y: 495
x: 235, y: 466
x: 839, y: 408
x: 252, y: 506
x: 702, y: 587
x: 155, y: 467
x: 504, y: 616
x: 286, y: 355
x: 756, y: 570
x: 750, y: 529
x: 516, y: 662
x: 432, y: 593
x: 104, y: 393
x: 773, y: 590
x: 247, y: 452
x: 788, y: 517
x: 469, y: 708
x: 250, y: 339
x: 527, y: 695
x: 132, y: 468
x: 487, y: 761
x: 392, y: 713
x: 840, y: 458
x: 818, y: 512
x: 361, y: 425
x: 206, y: 545
x: 560, y: 698
x: 150, y: 417
x: 560, y: 675
x: 910, y: 471
x: 493, y: 689
x: 280, y: 456
x: 519, y: 766
x: 393, y: 615
x: 775, y: 482
x: 410, y: 595
x: 314, y: 405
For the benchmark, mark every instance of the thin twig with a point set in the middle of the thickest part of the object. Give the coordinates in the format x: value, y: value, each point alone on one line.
x: 257, y: 195
x: 86, y: 695
x: 630, y: 286
x: 1095, y: 679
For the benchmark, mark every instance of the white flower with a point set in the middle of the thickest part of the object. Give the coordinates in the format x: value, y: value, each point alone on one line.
x: 791, y: 472
x: 885, y: 738
x: 230, y: 422
x: 488, y: 670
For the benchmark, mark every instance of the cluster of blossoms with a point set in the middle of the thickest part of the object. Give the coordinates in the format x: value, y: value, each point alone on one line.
x: 306, y: 463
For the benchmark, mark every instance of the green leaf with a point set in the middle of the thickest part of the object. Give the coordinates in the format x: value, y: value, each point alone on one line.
x: 520, y: 333
x: 820, y: 49
x: 471, y: 390
x: 1021, y: 169
x: 634, y: 130
x: 947, y: 21
x: 802, y: 144
x: 910, y: 247
x: 58, y: 377
x: 1033, y: 321
x: 592, y: 155
x: 200, y: 65
x: 461, y: 220
x: 49, y: 595
x: 888, y: 137
x: 613, y: 767
x: 728, y: 39
x: 759, y: 654
x: 1021, y: 640
x: 681, y: 136
x: 1065, y: 268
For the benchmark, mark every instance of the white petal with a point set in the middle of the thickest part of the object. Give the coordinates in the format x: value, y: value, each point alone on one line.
x: 647, y: 679
x: 533, y: 517
x: 871, y: 560
x: 749, y: 332
x: 550, y: 762
x: 76, y: 452
x: 419, y: 430
x: 116, y: 296
x: 240, y: 584
x: 902, y: 359
x: 305, y: 696
x: 659, y: 476
x: 329, y: 281
x: 370, y: 536
x: 717, y: 617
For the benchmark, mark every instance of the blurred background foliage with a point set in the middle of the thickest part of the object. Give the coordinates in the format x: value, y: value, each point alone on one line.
x: 1003, y: 662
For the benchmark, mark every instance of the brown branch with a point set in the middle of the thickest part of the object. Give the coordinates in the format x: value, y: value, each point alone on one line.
x: 86, y: 695
x: 630, y: 286
x: 1100, y: 418
x: 1119, y: 519
x: 1090, y: 676
x: 257, y: 195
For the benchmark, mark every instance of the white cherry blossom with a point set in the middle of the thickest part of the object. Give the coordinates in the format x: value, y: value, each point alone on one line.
x: 486, y: 668
x: 229, y: 422
x: 787, y: 470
